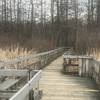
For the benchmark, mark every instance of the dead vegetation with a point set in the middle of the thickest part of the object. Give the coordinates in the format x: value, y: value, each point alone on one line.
x: 13, y: 52
x: 94, y: 52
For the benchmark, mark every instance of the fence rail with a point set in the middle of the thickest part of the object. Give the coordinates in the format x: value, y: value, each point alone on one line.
x: 23, y: 93
x: 91, y: 68
x: 23, y: 66
x: 36, y: 61
x: 88, y: 66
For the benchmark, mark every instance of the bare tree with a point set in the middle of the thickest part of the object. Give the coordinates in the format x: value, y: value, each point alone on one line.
x: 52, y: 11
x: 98, y: 13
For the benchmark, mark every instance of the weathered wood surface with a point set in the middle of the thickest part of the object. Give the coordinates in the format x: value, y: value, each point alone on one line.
x: 13, y: 72
x: 8, y: 83
x: 57, y: 86
x: 77, y: 57
x: 33, y: 61
x: 88, y: 66
x: 23, y: 93
x: 6, y: 95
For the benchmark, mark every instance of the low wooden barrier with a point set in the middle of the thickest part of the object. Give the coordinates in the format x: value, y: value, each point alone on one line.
x: 88, y: 66
x: 35, y: 62
x: 23, y: 66
x: 30, y: 91
x: 20, y: 84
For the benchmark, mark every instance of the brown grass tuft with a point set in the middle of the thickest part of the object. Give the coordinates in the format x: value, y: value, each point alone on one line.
x: 94, y: 52
x: 13, y: 52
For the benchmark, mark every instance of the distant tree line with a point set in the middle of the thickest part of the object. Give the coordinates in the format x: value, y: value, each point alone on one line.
x: 73, y: 23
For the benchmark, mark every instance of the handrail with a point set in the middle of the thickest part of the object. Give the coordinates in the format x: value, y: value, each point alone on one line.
x: 88, y: 66
x: 32, y: 66
x: 48, y: 54
x: 24, y: 91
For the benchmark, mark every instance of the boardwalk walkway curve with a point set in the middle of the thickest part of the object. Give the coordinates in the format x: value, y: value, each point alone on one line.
x: 26, y: 73
x: 57, y: 86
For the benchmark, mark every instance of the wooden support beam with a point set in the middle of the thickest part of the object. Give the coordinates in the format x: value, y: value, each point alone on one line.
x: 12, y: 72
x: 76, y: 57
x: 8, y: 91
x: 24, y: 92
x: 21, y: 59
x: 8, y: 83
x: 6, y: 95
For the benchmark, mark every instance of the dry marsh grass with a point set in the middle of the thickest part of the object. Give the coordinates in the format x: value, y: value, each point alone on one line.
x: 94, y: 52
x: 13, y: 52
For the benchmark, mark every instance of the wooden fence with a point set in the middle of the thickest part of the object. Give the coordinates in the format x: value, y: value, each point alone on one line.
x: 35, y: 62
x: 22, y: 65
x: 88, y: 66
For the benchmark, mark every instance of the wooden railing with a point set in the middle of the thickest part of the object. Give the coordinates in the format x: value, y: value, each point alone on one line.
x: 35, y: 62
x: 32, y: 86
x: 88, y: 66
x: 21, y: 66
x: 18, y: 84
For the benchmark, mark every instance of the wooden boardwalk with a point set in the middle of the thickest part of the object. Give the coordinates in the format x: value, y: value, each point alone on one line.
x: 57, y: 86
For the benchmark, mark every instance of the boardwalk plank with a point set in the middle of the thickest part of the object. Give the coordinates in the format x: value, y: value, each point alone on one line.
x: 57, y: 86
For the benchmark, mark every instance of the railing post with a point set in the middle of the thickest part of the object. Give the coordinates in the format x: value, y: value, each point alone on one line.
x: 80, y: 67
